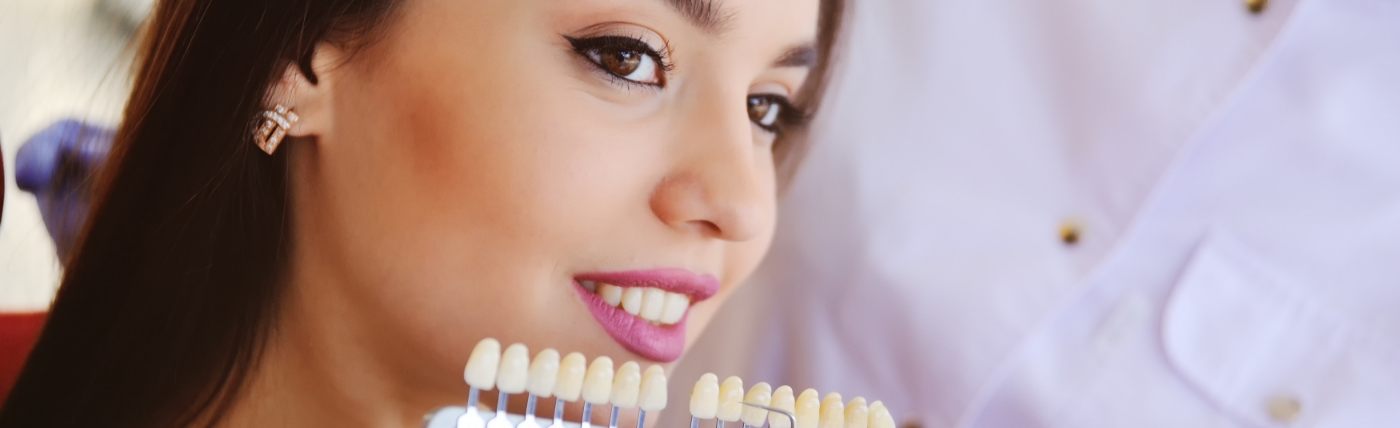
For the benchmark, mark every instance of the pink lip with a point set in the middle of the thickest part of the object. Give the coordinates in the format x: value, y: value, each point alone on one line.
x: 653, y: 342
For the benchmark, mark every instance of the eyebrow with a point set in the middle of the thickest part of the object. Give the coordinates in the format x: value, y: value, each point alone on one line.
x: 706, y: 14
x: 803, y: 55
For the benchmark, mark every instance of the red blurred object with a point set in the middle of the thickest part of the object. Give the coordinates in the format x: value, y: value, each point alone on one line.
x: 18, y: 332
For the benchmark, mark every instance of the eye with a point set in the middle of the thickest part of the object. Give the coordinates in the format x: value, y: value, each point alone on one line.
x: 626, y: 58
x: 772, y: 112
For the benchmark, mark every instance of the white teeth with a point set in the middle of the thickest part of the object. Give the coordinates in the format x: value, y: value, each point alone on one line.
x: 880, y: 416
x: 632, y: 300
x: 611, y: 294
x: 731, y: 397
x: 571, y: 372
x: 653, y: 391
x: 760, y: 394
x: 544, y: 372
x: 857, y: 415
x: 627, y: 385
x: 481, y: 366
x: 704, y: 398
x: 833, y: 412
x: 597, y: 383
x: 808, y: 409
x: 782, y: 400
x: 653, y: 301
x: 514, y: 370
x: 589, y: 285
x: 675, y: 307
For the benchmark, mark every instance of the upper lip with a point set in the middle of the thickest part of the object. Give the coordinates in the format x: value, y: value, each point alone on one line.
x: 698, y: 286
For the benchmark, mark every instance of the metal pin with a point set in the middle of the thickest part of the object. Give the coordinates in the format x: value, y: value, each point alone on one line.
x: 529, y: 421
x: 641, y: 418
x: 558, y: 413
x: 612, y: 420
x: 501, y: 421
x: 792, y: 419
x: 471, y: 419
x: 587, y: 415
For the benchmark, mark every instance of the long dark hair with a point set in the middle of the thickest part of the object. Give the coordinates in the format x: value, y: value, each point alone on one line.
x: 166, y: 303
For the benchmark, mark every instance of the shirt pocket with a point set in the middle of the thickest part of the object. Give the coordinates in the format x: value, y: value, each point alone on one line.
x: 1256, y: 343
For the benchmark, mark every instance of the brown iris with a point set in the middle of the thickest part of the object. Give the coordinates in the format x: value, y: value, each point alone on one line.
x: 621, y: 62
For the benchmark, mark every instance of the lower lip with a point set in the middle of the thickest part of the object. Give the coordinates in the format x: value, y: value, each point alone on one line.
x: 657, y: 343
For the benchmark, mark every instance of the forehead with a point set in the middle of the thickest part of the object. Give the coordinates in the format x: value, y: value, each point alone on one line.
x: 778, y: 22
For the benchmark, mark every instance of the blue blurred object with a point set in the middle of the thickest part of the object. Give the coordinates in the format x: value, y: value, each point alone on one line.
x: 57, y: 165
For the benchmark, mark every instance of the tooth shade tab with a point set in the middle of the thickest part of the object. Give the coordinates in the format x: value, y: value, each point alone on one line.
x: 704, y: 397
x: 570, y: 381
x: 597, y: 382
x: 627, y: 384
x: 880, y: 416
x: 544, y: 373
x: 514, y: 371
x: 653, y: 390
x: 760, y: 394
x: 857, y: 414
x: 782, y: 400
x: 833, y: 412
x: 731, y: 397
x: 482, y: 365
x: 808, y: 409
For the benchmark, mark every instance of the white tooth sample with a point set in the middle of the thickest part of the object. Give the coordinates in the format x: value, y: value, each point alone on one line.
x: 782, y: 400
x: 632, y: 300
x: 627, y: 385
x: 653, y: 391
x: 515, y: 369
x: 571, y: 371
x: 482, y: 365
x: 653, y: 301
x: 731, y: 398
x: 857, y: 414
x: 544, y: 372
x: 760, y: 394
x: 704, y: 398
x: 833, y: 412
x: 674, y: 309
x: 611, y: 294
x: 597, y: 383
x: 880, y: 416
x: 808, y: 409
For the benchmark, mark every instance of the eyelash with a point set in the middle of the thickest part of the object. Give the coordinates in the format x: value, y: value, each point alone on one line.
x: 788, y: 115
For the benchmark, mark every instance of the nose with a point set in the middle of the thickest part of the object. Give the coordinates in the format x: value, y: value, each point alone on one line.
x: 720, y: 186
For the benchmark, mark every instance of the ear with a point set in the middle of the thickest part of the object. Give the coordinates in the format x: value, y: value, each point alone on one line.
x: 306, y: 87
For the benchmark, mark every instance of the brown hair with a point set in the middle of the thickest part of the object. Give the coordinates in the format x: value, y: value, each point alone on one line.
x: 168, y: 298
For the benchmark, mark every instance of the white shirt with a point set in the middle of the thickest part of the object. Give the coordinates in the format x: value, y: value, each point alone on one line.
x: 1233, y: 178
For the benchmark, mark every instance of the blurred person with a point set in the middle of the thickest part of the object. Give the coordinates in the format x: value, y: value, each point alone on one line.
x: 314, y: 208
x: 1096, y: 214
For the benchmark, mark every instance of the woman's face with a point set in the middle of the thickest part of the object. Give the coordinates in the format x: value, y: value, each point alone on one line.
x: 497, y: 167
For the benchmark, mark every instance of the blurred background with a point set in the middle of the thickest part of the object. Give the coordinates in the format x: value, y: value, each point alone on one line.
x: 59, y: 60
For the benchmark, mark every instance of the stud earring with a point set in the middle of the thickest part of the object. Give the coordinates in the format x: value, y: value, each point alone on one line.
x: 273, y: 128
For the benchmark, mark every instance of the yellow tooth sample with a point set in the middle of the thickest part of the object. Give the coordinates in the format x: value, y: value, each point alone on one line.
x: 782, y: 400
x: 627, y: 384
x: 857, y: 415
x: 704, y: 398
x: 880, y: 416
x: 653, y: 390
x: 632, y: 300
x: 675, y: 307
x: 760, y: 394
x: 571, y: 371
x: 808, y: 409
x: 597, y: 382
x: 833, y: 412
x: 611, y: 294
x: 514, y: 371
x: 544, y: 372
x: 481, y: 366
x: 731, y: 397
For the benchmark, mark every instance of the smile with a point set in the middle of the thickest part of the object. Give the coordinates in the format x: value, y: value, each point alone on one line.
x: 645, y: 311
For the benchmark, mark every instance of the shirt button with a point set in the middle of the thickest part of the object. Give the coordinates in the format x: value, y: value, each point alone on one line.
x: 1069, y: 233
x: 1284, y: 408
x: 1256, y: 6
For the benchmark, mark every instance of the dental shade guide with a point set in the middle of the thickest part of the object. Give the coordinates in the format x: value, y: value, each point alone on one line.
x: 704, y: 399
x: 569, y: 386
x: 653, y: 394
x: 597, y: 387
x: 627, y: 386
x: 480, y: 375
x: 544, y: 374
x: 777, y: 417
x: 731, y: 393
x: 764, y: 406
x: 756, y: 402
x: 511, y: 378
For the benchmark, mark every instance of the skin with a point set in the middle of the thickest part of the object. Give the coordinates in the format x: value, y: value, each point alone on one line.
x: 451, y: 178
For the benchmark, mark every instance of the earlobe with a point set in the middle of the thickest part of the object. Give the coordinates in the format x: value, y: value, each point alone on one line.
x: 298, y: 105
